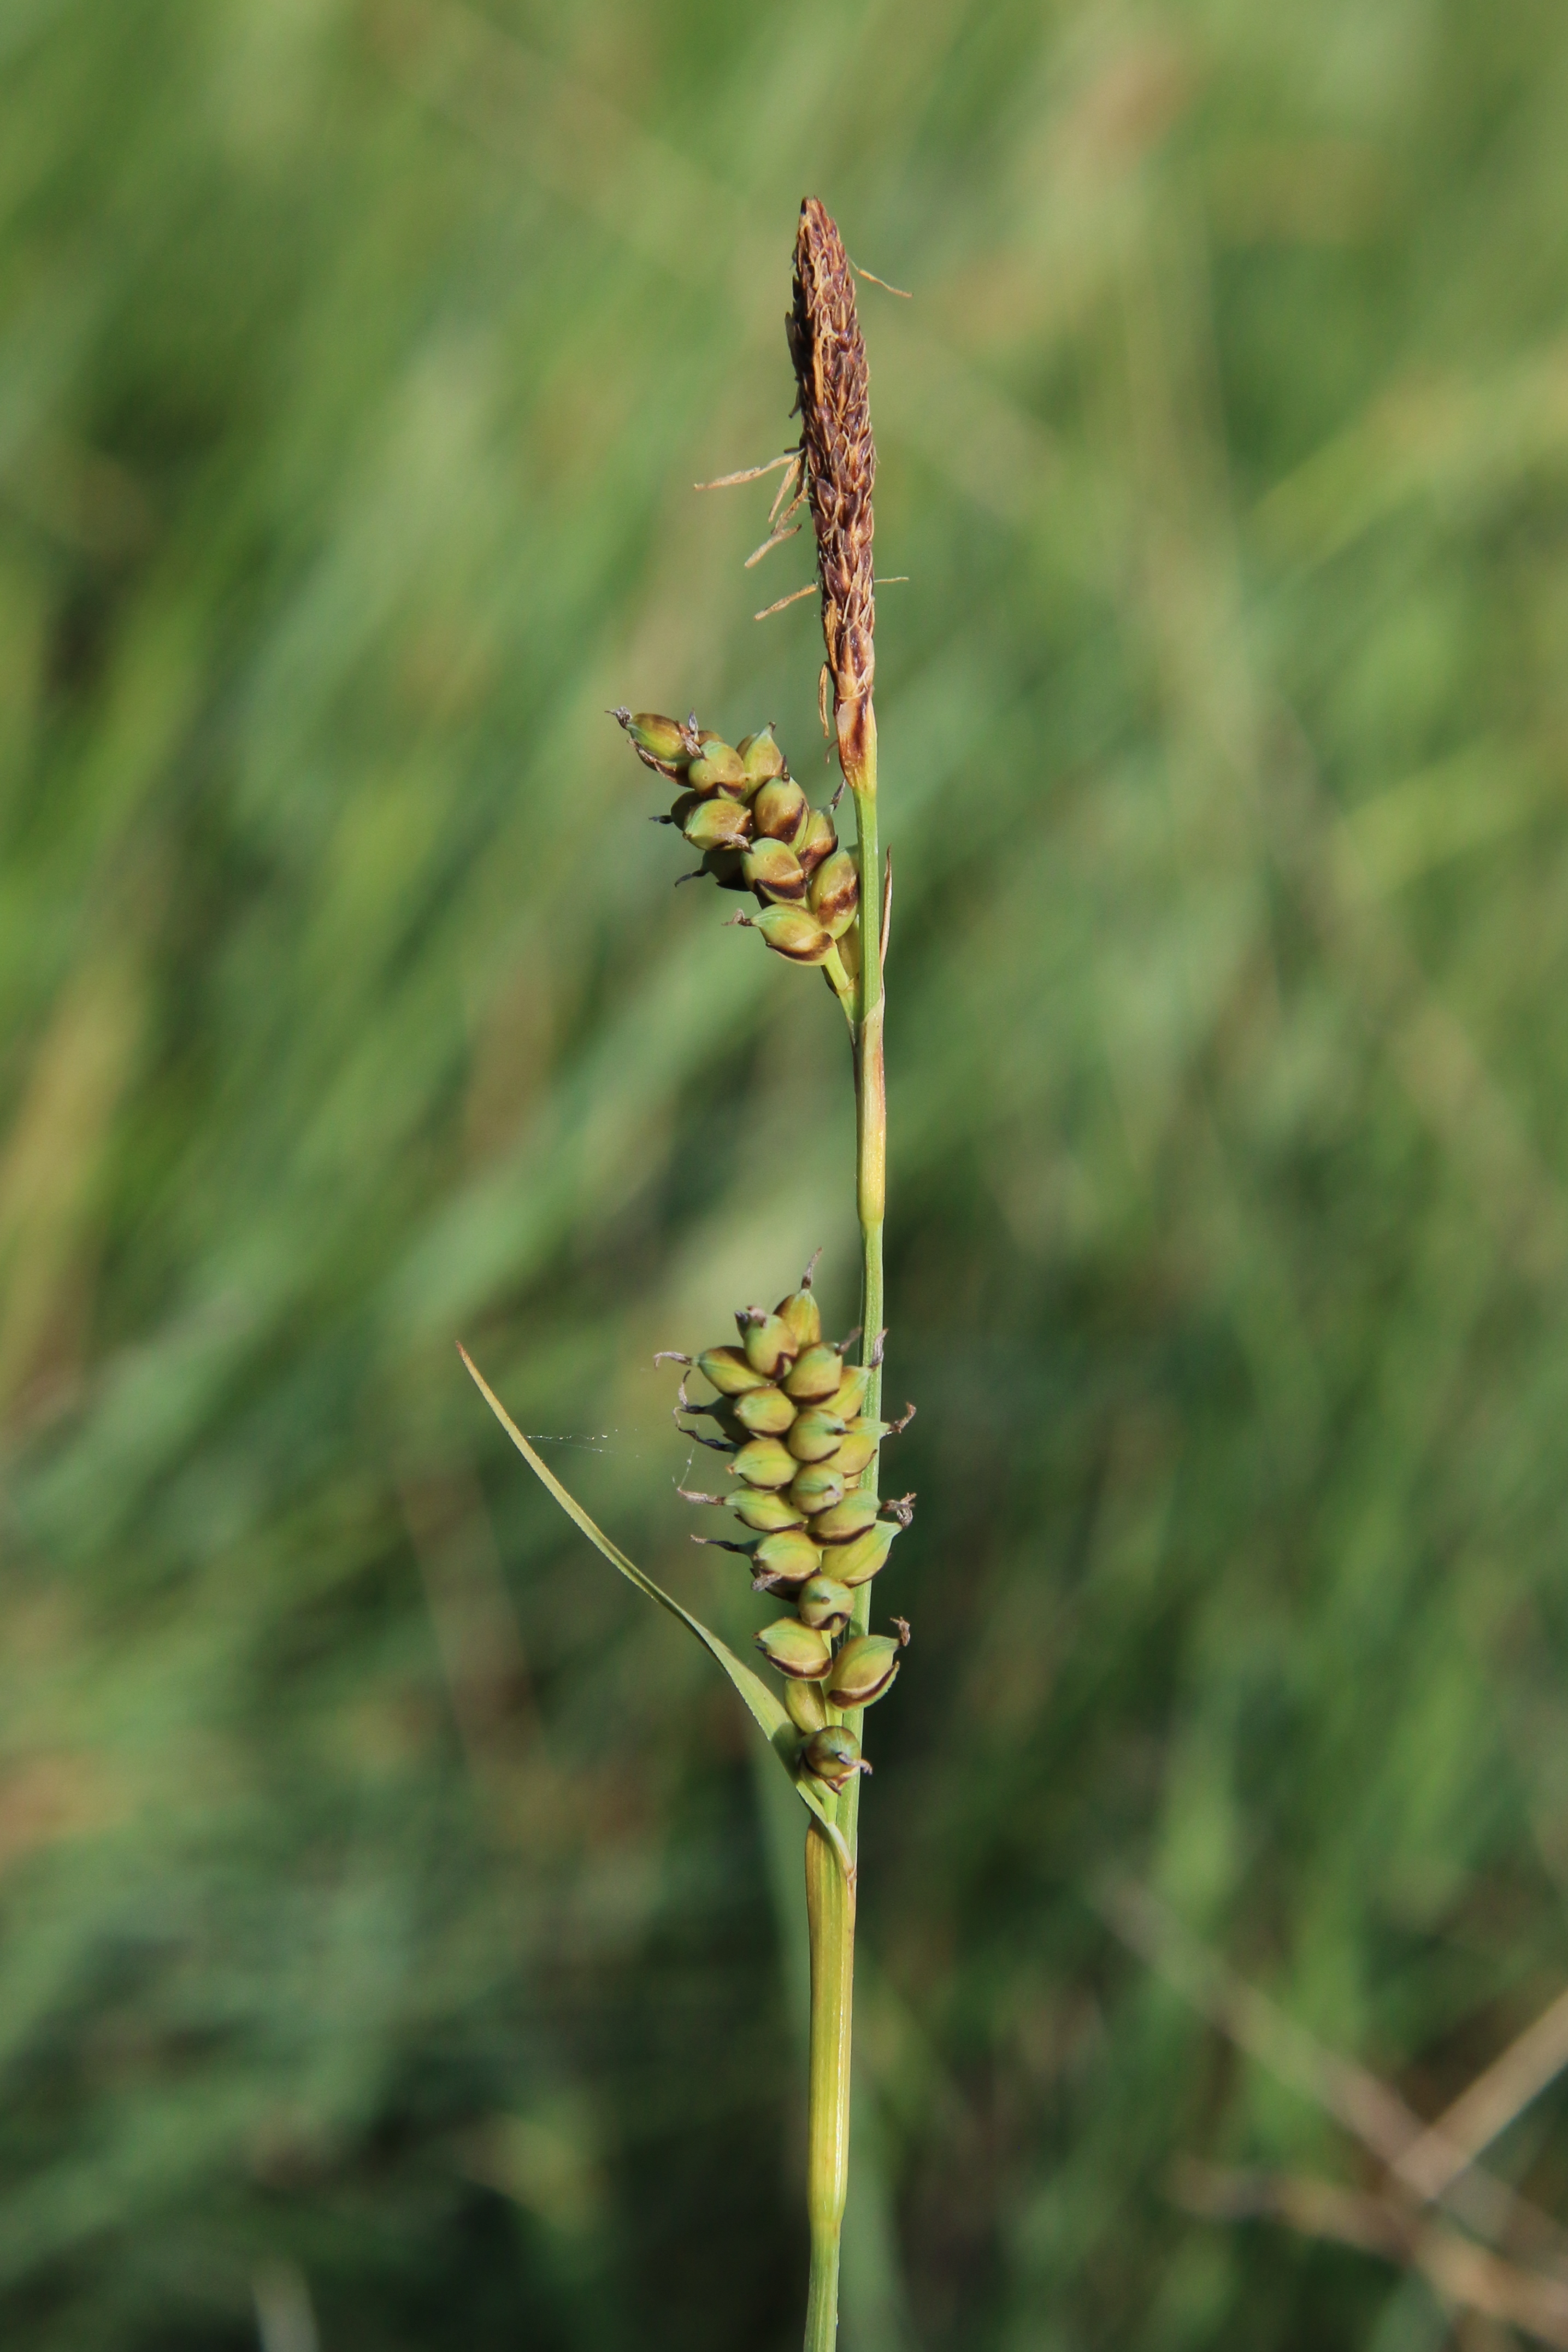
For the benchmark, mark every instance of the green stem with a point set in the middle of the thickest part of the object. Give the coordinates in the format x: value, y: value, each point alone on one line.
x: 831, y: 1916
x: 871, y: 1163
x: 829, y: 1890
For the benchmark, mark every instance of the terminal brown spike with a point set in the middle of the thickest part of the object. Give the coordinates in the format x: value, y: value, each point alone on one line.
x: 828, y: 352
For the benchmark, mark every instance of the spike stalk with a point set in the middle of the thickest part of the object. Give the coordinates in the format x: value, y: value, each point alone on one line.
x: 829, y: 1888
x: 830, y: 1918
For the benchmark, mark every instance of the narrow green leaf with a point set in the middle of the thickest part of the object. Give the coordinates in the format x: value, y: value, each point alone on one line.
x: 765, y: 1710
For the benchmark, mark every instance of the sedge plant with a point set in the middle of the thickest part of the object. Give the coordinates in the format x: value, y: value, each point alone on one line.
x: 796, y: 1420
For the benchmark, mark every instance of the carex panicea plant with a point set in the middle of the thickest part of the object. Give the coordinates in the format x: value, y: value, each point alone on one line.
x: 798, y: 1423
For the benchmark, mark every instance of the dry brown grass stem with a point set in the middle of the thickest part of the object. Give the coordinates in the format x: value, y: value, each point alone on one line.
x: 1372, y: 2111
x: 1461, y: 2273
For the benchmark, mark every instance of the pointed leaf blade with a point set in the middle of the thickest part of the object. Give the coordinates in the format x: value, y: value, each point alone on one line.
x: 766, y: 1710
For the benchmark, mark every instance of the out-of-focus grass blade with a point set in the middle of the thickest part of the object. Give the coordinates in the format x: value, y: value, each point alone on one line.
x: 761, y: 1704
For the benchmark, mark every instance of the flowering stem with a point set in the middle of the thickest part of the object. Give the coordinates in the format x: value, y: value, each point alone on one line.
x: 829, y: 1890
x: 830, y: 1917
x: 870, y: 1157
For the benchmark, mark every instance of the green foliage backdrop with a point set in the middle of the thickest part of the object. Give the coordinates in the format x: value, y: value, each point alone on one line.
x: 393, y: 1925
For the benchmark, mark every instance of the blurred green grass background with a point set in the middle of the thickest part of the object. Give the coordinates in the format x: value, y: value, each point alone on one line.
x: 397, y: 1945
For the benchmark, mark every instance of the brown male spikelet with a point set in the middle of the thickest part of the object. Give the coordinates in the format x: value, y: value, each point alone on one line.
x: 839, y: 455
